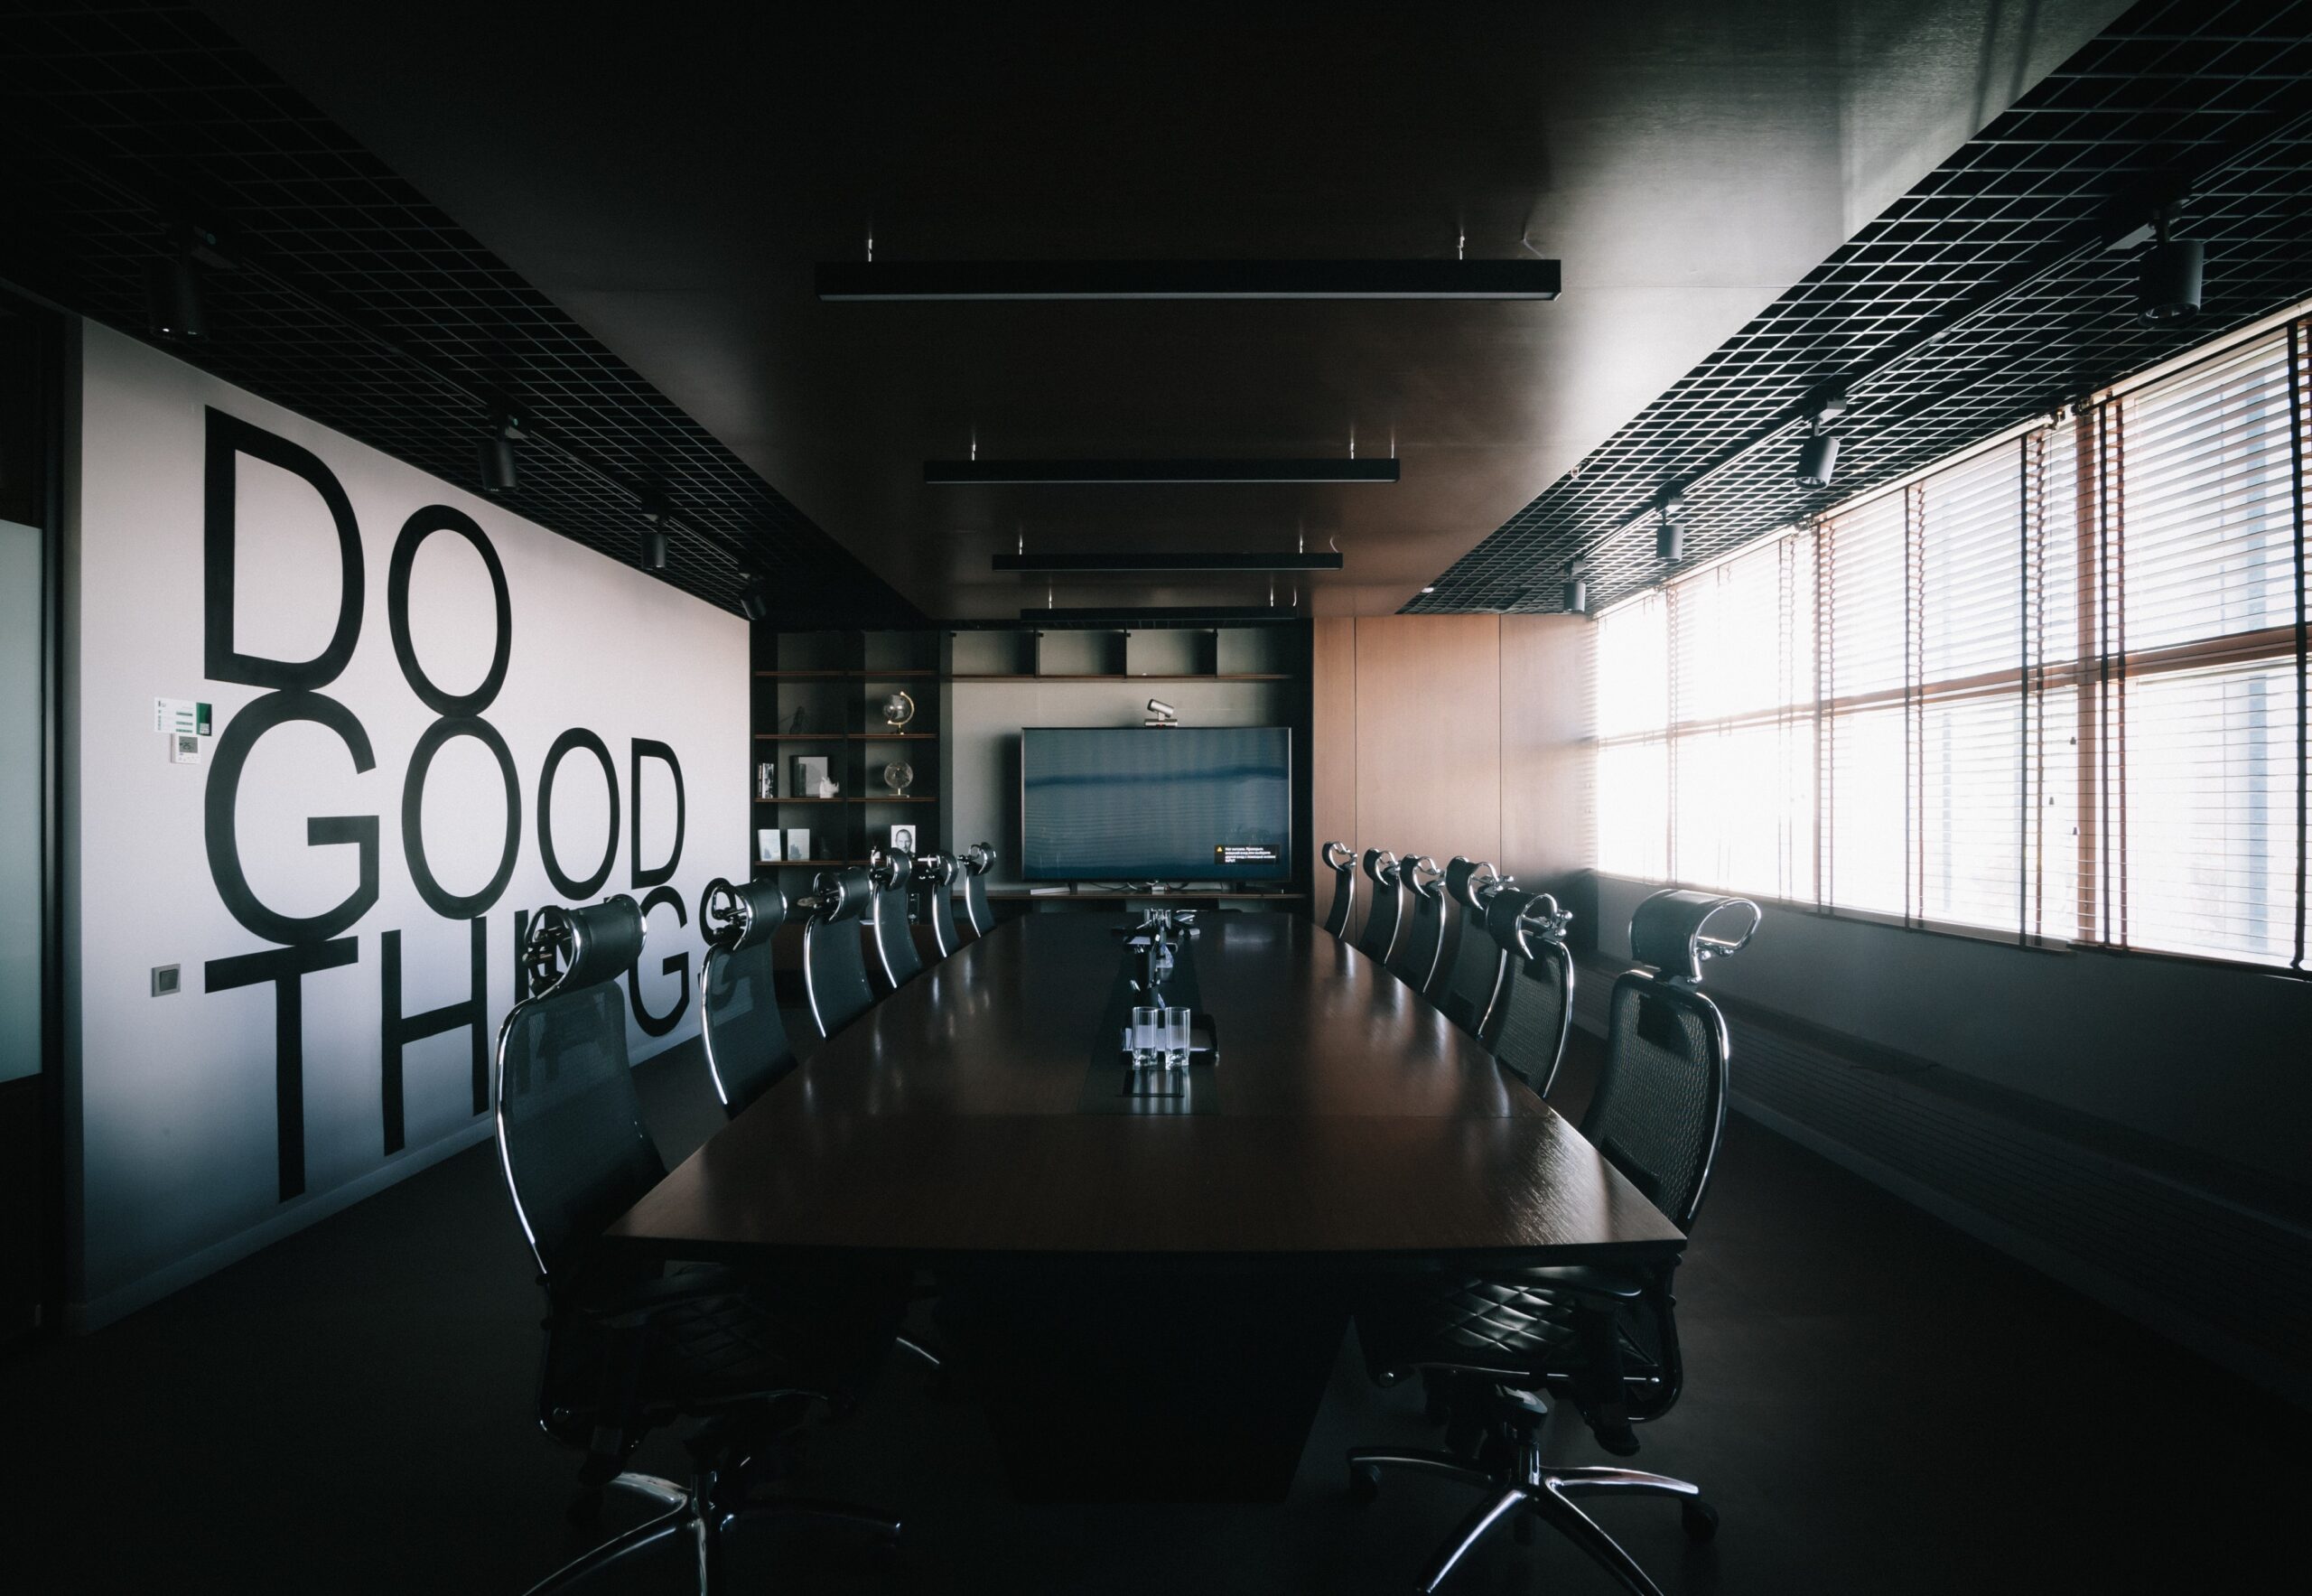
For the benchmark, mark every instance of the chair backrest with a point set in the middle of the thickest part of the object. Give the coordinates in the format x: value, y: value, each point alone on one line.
x: 569, y: 1132
x: 747, y: 1050
x: 1413, y: 960
x: 1473, y: 975
x: 976, y: 861
x: 896, y: 960
x: 1380, y: 932
x: 1343, y: 861
x: 1533, y: 1013
x: 835, y: 970
x: 932, y: 891
x: 1660, y: 1108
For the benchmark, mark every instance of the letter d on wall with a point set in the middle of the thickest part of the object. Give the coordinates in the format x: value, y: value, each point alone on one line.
x: 230, y: 438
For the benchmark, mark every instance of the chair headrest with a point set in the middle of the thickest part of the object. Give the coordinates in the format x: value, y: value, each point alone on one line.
x: 1519, y: 920
x: 1675, y: 930
x: 939, y: 868
x: 1340, y: 856
x: 1472, y: 881
x: 979, y: 858
x: 890, y: 867
x: 744, y: 915
x: 1420, y: 872
x: 1382, y: 866
x: 569, y: 948
x: 842, y: 894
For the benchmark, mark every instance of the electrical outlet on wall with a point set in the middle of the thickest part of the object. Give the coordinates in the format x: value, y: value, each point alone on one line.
x: 165, y: 980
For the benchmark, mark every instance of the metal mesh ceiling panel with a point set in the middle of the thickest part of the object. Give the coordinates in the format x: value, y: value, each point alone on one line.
x: 1991, y: 287
x: 359, y: 303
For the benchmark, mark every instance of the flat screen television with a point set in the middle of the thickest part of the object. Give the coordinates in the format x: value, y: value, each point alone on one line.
x: 1156, y: 803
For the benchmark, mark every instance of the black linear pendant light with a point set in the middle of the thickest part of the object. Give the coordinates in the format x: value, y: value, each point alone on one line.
x: 870, y: 280
x: 1056, y: 473
x: 1325, y: 560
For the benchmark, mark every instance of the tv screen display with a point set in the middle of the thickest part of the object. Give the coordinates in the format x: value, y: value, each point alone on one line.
x: 1156, y: 803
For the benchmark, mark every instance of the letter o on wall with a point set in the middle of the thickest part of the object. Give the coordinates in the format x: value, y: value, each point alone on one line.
x: 424, y: 524
x: 439, y: 899
x: 569, y: 886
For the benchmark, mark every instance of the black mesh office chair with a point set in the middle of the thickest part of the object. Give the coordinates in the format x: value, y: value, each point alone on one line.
x: 976, y: 861
x: 628, y: 1347
x: 1533, y: 1013
x: 1413, y: 960
x: 932, y: 891
x: 1472, y: 977
x: 897, y: 962
x: 747, y: 1050
x: 1380, y: 932
x: 1604, y: 1338
x: 834, y: 968
x: 1343, y: 861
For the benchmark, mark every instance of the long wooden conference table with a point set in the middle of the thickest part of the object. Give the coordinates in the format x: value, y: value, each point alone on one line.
x: 1148, y: 1294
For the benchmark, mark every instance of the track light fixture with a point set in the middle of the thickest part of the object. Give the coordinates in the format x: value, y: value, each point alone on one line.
x: 2169, y: 272
x: 499, y: 475
x: 1818, y: 456
x: 754, y: 599
x: 1670, y: 537
x: 173, y: 302
x: 650, y: 544
x: 1577, y: 589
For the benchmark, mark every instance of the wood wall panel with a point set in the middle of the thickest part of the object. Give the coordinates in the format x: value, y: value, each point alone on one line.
x: 1332, y: 756
x: 1428, y: 734
x: 1548, y: 816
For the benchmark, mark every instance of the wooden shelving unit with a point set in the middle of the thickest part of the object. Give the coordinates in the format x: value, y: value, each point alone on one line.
x: 839, y: 680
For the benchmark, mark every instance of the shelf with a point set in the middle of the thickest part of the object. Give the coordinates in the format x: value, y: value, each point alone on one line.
x: 902, y: 673
x: 810, y: 864
x: 850, y: 799
x: 846, y: 736
x: 1198, y: 676
x: 1107, y: 894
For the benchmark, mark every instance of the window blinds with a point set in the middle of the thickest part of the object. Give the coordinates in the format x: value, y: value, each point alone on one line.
x: 2054, y: 689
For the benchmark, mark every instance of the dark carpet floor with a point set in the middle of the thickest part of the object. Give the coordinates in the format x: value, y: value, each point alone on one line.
x: 1874, y: 1402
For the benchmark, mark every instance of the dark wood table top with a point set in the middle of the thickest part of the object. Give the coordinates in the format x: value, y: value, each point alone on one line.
x: 1352, y: 1122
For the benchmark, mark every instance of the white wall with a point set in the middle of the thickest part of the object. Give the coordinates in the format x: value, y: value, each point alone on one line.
x: 176, y: 1102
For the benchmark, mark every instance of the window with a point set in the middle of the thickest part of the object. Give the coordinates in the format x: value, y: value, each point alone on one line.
x: 2054, y: 688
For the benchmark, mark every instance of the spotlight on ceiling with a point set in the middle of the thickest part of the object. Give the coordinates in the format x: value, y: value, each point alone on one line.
x: 2169, y: 273
x: 1670, y: 537
x: 1818, y: 459
x: 1818, y: 456
x: 754, y: 599
x: 1577, y: 589
x: 499, y: 475
x: 173, y: 297
x: 650, y: 543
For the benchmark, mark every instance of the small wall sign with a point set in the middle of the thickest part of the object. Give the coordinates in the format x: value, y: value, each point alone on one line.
x: 181, y: 716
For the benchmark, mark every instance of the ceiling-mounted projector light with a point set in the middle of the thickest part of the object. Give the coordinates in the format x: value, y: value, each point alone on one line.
x: 1577, y: 590
x: 2169, y: 273
x: 173, y: 299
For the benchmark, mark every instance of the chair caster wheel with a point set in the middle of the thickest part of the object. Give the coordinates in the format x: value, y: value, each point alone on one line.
x: 1699, y: 1519
x: 1363, y: 1485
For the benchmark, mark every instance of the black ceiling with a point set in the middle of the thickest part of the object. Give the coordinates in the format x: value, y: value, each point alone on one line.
x: 359, y: 303
x: 2006, y: 241
x: 671, y: 176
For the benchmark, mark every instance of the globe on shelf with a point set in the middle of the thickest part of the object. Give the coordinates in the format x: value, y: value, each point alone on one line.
x: 898, y: 710
x: 897, y: 775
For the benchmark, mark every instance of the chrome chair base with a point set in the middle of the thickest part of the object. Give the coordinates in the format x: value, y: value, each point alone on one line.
x: 692, y: 1513
x: 1527, y: 1490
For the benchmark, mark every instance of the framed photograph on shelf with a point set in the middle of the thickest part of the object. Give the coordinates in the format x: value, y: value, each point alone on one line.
x: 767, y: 846
x: 798, y: 846
x: 903, y: 837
